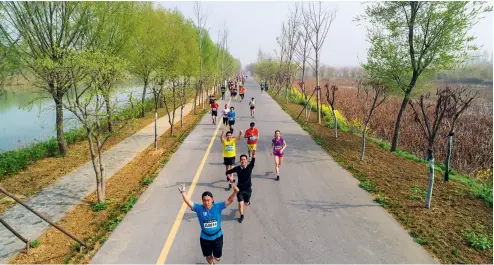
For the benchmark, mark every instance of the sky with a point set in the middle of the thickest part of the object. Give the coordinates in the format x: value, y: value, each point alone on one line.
x: 255, y: 25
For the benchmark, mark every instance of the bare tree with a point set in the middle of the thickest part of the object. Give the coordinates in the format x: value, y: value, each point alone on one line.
x: 461, y: 100
x: 303, y: 53
x: 201, y: 29
x: 429, y: 115
x: 292, y: 38
x: 320, y: 22
x: 371, y: 95
x: 331, y: 98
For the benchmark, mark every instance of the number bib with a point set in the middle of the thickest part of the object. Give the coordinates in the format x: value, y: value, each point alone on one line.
x: 214, y: 109
x: 210, y: 224
x: 252, y: 138
x: 229, y: 148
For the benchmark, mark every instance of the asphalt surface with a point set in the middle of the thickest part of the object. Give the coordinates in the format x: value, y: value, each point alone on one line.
x: 316, y: 213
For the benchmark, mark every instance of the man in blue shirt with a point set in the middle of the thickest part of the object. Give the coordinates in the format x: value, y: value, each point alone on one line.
x: 209, y: 216
x: 231, y: 119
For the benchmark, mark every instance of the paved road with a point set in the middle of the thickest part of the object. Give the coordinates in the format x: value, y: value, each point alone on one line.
x: 316, y: 213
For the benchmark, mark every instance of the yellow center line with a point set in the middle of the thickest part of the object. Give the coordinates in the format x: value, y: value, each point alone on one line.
x: 171, y: 237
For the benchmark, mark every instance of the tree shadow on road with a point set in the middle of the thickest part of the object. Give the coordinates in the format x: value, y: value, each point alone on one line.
x: 327, y: 206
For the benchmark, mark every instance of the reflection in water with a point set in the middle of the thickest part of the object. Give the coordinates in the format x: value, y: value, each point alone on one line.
x: 29, y: 116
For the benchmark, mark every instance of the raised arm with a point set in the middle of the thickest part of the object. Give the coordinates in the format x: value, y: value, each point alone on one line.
x: 239, y: 136
x: 185, y: 197
x: 232, y: 196
x: 251, y: 164
x: 222, y: 137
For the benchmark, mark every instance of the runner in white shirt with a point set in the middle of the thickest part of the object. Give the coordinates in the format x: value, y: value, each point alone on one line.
x: 225, y: 115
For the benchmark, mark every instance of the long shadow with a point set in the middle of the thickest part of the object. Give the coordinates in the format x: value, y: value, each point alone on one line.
x: 327, y: 206
x: 203, y: 184
x: 265, y: 176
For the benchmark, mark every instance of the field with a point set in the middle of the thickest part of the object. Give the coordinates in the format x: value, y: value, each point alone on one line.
x: 473, y: 144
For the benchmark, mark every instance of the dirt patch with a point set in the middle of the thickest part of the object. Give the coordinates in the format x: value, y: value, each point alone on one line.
x: 400, y: 184
x: 121, y: 190
x: 46, y: 171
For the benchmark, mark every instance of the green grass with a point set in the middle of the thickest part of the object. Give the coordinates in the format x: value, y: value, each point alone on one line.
x: 34, y: 244
x: 130, y: 203
x: 12, y: 162
x: 478, y: 241
x: 100, y: 206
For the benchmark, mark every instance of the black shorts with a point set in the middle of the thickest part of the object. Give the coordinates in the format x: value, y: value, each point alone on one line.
x: 225, y: 120
x: 212, y: 247
x: 231, y: 123
x: 244, y: 195
x: 229, y: 161
x: 214, y: 113
x: 242, y: 95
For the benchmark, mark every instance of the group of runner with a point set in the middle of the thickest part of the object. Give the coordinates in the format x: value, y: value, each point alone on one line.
x: 209, y: 213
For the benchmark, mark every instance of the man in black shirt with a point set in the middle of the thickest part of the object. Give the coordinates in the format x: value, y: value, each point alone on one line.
x: 244, y: 184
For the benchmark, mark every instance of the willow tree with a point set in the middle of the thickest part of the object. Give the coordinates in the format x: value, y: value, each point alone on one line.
x: 143, y: 42
x: 47, y: 32
x: 413, y: 39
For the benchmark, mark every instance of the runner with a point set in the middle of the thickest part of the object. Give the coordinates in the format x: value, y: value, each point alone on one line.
x: 231, y: 119
x: 235, y: 93
x: 262, y: 86
x: 242, y: 93
x: 223, y: 90
x: 214, y: 110
x: 244, y: 176
x: 225, y: 116
x: 278, y: 145
x: 209, y: 217
x: 252, y: 105
x: 252, y: 136
x: 229, y: 153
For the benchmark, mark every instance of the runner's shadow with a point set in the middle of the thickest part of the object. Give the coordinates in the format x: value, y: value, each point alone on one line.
x: 265, y: 176
x: 213, y: 184
x: 231, y: 216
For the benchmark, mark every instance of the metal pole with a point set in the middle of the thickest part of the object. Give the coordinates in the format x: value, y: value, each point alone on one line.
x: 306, y: 103
x: 13, y: 231
x: 42, y: 217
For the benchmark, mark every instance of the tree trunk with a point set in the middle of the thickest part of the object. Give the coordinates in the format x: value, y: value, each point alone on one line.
x: 362, y: 150
x: 143, y: 97
x: 318, y: 99
x: 335, y: 123
x: 448, y: 156
x: 396, y: 133
x: 102, y: 172
x: 99, y: 195
x: 62, y: 145
x: 155, y: 128
x: 182, y: 116
x: 431, y: 176
x: 108, y: 113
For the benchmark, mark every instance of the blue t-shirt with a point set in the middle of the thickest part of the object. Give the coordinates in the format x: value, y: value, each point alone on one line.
x: 210, y: 220
x: 231, y: 115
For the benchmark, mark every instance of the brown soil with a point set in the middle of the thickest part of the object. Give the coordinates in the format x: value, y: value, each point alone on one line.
x: 92, y: 227
x: 454, y: 210
x: 48, y: 170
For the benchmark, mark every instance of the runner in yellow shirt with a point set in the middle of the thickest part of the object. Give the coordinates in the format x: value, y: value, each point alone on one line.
x: 229, y: 153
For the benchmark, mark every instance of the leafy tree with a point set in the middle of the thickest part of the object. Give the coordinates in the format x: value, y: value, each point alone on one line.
x: 414, y: 39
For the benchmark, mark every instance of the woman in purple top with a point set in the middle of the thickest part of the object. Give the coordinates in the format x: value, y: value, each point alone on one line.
x: 278, y: 145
